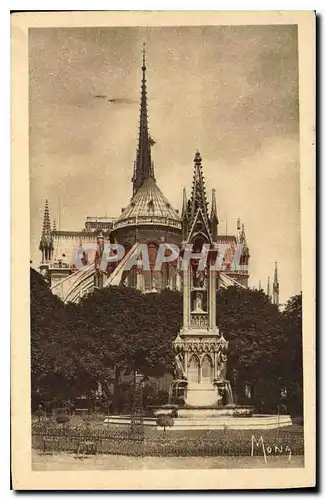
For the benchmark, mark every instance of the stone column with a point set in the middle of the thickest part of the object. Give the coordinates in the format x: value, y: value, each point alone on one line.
x: 177, y: 279
x: 212, y: 298
x: 140, y: 280
x: 186, y: 358
x: 186, y: 298
x: 215, y: 364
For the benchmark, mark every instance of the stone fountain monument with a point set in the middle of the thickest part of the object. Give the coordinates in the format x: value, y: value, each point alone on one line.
x: 200, y: 395
x: 201, y: 349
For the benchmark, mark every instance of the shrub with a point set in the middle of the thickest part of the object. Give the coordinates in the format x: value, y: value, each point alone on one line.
x: 62, y: 418
x: 39, y: 413
x: 164, y: 421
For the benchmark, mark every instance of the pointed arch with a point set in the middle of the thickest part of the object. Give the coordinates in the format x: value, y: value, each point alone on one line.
x: 207, y: 369
x: 194, y: 369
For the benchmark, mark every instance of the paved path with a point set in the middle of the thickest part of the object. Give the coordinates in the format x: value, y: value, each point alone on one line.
x: 106, y: 462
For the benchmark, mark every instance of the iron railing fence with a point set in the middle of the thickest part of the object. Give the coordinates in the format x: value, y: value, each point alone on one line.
x: 133, y: 442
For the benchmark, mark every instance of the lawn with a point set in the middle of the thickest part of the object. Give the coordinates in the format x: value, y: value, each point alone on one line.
x: 66, y: 462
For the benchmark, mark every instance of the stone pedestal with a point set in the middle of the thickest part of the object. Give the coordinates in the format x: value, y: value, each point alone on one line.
x: 201, y: 394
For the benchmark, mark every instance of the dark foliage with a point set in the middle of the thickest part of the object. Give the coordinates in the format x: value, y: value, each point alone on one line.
x: 265, y: 350
x: 118, y: 330
x: 112, y: 331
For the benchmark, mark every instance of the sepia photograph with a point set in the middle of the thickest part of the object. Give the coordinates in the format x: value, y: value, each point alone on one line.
x: 165, y: 211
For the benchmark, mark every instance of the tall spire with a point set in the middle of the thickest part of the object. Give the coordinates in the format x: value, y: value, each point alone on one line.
x: 268, y: 287
x: 198, y: 196
x: 46, y: 243
x: 214, y: 218
x: 143, y: 168
x: 185, y: 215
x: 276, y: 287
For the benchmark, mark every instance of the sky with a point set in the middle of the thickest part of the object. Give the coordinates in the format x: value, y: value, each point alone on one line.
x: 229, y: 91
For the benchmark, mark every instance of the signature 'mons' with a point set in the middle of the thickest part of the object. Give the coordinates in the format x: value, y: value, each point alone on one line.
x: 270, y: 449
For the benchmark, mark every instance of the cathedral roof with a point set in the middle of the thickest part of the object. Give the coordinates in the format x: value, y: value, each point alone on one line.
x: 149, y: 206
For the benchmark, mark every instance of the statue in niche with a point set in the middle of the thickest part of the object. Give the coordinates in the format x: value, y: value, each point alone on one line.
x: 200, y: 279
x: 179, y: 372
x: 199, y: 302
x: 221, y: 366
x: 195, y: 277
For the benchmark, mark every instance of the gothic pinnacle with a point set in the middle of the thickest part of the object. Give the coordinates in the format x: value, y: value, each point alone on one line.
x: 198, y: 195
x: 46, y: 242
x: 214, y: 209
x: 184, y: 204
x: 275, y: 273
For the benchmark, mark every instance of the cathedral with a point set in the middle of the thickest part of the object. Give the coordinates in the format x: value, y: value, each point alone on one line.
x: 148, y: 218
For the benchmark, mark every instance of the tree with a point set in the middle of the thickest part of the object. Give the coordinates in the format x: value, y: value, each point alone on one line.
x: 118, y: 330
x: 253, y: 327
x: 47, y: 338
x: 160, y: 320
x: 57, y: 373
x: 121, y: 330
x: 265, y: 350
x: 293, y: 354
x: 111, y: 331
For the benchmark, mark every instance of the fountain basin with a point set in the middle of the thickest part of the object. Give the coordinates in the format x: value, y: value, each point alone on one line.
x: 231, y: 422
x: 211, y: 412
x: 223, y: 422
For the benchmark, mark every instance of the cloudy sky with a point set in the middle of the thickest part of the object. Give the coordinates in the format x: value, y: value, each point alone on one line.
x: 230, y: 91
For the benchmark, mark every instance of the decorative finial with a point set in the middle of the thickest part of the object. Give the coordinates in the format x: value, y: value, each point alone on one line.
x: 198, y: 158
